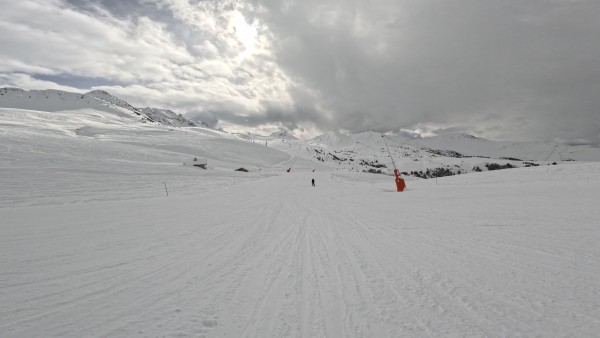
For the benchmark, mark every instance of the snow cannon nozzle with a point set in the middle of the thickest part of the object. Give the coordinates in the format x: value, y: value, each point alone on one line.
x: 400, y: 185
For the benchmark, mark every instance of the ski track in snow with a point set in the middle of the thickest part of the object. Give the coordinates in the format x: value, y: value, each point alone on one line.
x: 278, y: 258
x: 91, y: 246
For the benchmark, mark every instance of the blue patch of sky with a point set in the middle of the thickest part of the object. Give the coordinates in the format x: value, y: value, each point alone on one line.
x: 80, y: 82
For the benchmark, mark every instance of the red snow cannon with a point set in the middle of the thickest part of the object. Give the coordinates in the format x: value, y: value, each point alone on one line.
x: 400, y: 185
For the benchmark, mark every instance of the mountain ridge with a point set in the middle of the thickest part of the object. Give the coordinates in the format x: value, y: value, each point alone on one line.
x: 441, y: 155
x: 52, y: 100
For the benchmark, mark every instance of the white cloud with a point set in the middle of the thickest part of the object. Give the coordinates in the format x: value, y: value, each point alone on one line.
x: 63, y: 40
x: 218, y: 64
x: 523, y: 70
x: 19, y: 80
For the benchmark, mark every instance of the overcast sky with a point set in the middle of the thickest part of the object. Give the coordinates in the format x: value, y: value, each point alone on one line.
x: 526, y: 70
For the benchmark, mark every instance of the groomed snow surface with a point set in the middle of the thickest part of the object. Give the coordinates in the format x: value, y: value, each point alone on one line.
x: 90, y: 244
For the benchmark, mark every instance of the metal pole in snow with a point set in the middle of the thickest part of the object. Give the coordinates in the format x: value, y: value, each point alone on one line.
x: 389, y: 152
x: 400, y: 185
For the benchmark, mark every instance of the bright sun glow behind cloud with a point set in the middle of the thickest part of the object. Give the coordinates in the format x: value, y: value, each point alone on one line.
x: 246, y: 33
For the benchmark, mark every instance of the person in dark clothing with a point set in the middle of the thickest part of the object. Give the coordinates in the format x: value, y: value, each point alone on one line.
x: 313, y: 182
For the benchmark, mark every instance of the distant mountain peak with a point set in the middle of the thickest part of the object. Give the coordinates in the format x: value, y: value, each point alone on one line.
x: 57, y: 100
x: 283, y: 133
x: 159, y: 115
x: 106, y: 97
x: 98, y: 91
x: 168, y: 117
x: 458, y: 136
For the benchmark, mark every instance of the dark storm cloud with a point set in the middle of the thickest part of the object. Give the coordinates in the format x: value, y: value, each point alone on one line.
x: 503, y: 69
x: 295, y: 118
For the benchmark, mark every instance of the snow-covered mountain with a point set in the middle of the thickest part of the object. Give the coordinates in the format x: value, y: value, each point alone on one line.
x: 468, y: 145
x: 106, y: 97
x: 364, y: 152
x: 57, y: 100
x: 440, y: 155
x: 170, y: 118
x: 284, y: 134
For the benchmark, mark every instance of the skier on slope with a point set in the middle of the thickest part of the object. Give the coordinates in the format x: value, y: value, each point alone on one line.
x: 313, y: 182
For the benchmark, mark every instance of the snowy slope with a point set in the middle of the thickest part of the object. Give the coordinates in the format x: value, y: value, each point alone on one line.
x: 91, y: 244
x: 531, y: 151
x: 87, y: 155
x: 106, y: 97
x: 56, y: 100
x: 497, y: 254
x: 455, y: 154
x: 162, y: 116
x: 168, y: 117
